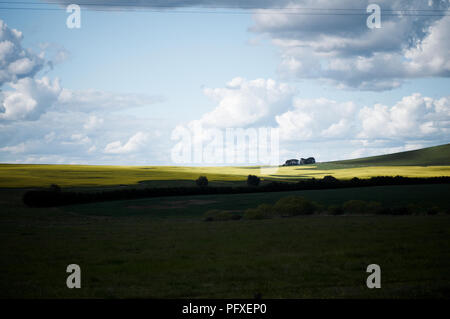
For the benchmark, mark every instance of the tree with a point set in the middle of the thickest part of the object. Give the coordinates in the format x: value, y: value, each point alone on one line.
x: 253, y: 180
x: 202, y: 181
x: 55, y: 188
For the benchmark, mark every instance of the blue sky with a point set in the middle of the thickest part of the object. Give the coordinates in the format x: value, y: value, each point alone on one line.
x: 127, y: 79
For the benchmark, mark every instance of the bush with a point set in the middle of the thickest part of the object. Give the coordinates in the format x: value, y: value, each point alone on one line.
x: 220, y: 215
x: 263, y: 211
x: 384, y: 211
x: 330, y: 179
x: 433, y: 211
x: 294, y: 205
x: 55, y: 188
x: 355, y: 207
x: 253, y: 180
x: 401, y: 210
x: 202, y: 181
x: 335, y: 210
x: 374, y: 207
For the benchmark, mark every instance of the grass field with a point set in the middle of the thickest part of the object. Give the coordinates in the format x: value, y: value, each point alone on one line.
x: 195, y: 206
x: 162, y: 248
x: 143, y: 256
x: 436, y: 155
x: 427, y: 162
x: 91, y: 176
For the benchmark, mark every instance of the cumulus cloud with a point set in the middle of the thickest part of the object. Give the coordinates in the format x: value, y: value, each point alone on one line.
x: 29, y: 99
x: 317, y: 119
x: 242, y: 102
x: 16, y: 62
x: 136, y: 142
x: 412, y: 117
x: 341, y: 49
x: 325, y: 127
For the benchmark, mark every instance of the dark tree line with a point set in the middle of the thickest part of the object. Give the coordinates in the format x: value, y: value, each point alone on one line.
x: 57, y: 197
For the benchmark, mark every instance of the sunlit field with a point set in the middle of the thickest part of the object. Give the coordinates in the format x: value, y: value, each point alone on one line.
x: 84, y: 175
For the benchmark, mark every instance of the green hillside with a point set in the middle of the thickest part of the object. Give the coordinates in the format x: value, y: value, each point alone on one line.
x: 436, y: 155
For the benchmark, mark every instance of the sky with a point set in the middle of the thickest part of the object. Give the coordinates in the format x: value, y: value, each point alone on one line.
x: 119, y: 88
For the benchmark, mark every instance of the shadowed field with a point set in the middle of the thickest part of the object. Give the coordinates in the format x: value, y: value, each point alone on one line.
x: 161, y: 248
x: 306, y: 257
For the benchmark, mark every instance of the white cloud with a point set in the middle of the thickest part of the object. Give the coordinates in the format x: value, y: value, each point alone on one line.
x: 316, y: 119
x: 19, y: 148
x: 93, y: 122
x: 29, y: 98
x: 80, y: 139
x: 15, y: 61
x: 92, y: 149
x: 412, y: 117
x: 95, y: 100
x: 342, y: 50
x: 136, y: 142
x: 242, y: 102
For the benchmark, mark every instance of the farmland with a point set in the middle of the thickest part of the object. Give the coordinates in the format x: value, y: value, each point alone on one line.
x: 163, y: 248
x: 23, y: 175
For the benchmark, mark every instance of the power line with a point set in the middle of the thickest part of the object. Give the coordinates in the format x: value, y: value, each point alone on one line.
x: 242, y: 7
x: 267, y: 11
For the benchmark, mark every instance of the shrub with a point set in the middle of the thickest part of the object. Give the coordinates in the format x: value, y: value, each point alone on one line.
x: 355, y: 207
x: 433, y: 211
x: 384, y: 211
x: 330, y: 179
x: 373, y: 207
x: 294, y: 205
x: 210, y: 215
x: 220, y: 215
x: 335, y: 210
x: 401, y: 210
x: 263, y: 211
x: 253, y: 180
x: 55, y: 188
x: 202, y: 181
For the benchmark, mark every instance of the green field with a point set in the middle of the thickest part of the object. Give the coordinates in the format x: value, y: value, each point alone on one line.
x: 162, y: 248
x: 147, y: 248
x: 428, y: 162
x: 436, y: 155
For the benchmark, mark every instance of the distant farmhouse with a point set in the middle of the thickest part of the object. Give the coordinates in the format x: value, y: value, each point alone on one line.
x: 303, y: 161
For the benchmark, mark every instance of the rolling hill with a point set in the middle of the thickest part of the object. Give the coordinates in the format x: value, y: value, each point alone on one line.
x: 436, y: 155
x: 428, y: 162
